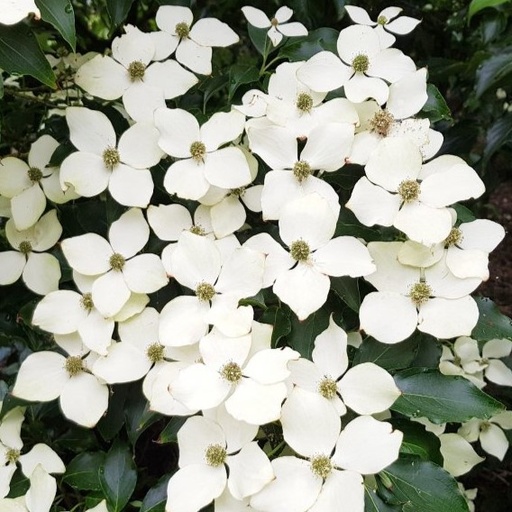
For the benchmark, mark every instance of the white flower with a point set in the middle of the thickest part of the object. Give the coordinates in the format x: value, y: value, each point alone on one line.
x: 207, y: 449
x: 449, y: 364
x: 192, y: 43
x: 203, y: 163
x: 118, y: 268
x: 385, y: 22
x: 100, y: 163
x: 12, y: 11
x: 459, y: 457
x: 40, y: 271
x: 278, y: 26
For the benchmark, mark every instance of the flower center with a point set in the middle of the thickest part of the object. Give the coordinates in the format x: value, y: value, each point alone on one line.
x: 155, y: 352
x: 74, y: 365
x: 34, y: 174
x: 301, y: 170
x: 381, y: 122
x: 231, y: 372
x: 12, y: 456
x: 215, y: 455
x: 197, y: 151
x: 25, y: 247
x: 361, y: 63
x: 419, y: 293
x: 238, y: 192
x: 327, y: 388
x: 455, y: 237
x: 382, y: 20
x: 274, y: 22
x: 304, y: 102
x: 111, y: 158
x: 409, y: 190
x: 484, y: 426
x: 299, y: 250
x: 86, y: 302
x: 197, y: 230
x: 136, y: 70
x: 117, y: 261
x: 182, y: 30
x: 321, y: 466
x: 205, y: 292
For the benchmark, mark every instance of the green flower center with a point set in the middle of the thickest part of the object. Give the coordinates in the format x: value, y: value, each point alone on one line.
x: 455, y: 237
x: 197, y: 230
x: 197, y: 151
x: 304, y: 102
x: 484, y: 426
x: 419, y: 293
x: 231, y: 372
x: 301, y: 170
x: 12, y: 456
x: 74, y: 365
x: 382, y: 20
x: 117, y: 262
x: 25, y: 247
x: 381, y: 122
x: 205, y: 292
x: 299, y: 250
x: 238, y: 192
x: 136, y: 70
x: 327, y: 388
x: 35, y: 174
x: 361, y: 63
x: 155, y: 352
x: 86, y: 302
x: 111, y: 158
x: 182, y: 30
x: 215, y: 455
x: 321, y: 466
x: 409, y: 190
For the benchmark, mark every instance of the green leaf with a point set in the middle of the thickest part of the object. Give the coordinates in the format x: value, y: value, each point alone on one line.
x: 464, y: 214
x: 477, y: 5
x: 388, y: 356
x: 303, y: 334
x: 20, y: 53
x: 259, y: 39
x: 442, y: 398
x: 82, y: 472
x: 240, y: 75
x: 118, y: 476
x: 497, y: 135
x: 493, y: 71
x: 436, y: 108
x: 316, y: 41
x: 492, y: 323
x: 137, y: 415
x: 110, y: 424
x: 418, y: 441
x: 347, y: 289
x: 156, y: 497
x: 169, y: 433
x: 118, y: 10
x: 60, y: 14
x: 374, y: 503
x: 280, y: 319
x: 424, y: 486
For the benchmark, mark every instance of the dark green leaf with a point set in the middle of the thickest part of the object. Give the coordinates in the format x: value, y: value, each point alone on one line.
x: 303, y: 334
x: 82, y: 471
x: 463, y: 214
x: 493, y: 71
x: 477, y: 5
x: 436, y: 108
x: 77, y: 440
x: 240, y: 75
x: 374, y: 503
x: 390, y: 357
x: 60, y: 14
x: 280, y: 319
x: 118, y: 10
x: 169, y: 433
x: 110, y: 424
x: 424, y: 486
x: 442, y: 398
x: 1, y: 91
x: 137, y: 415
x: 259, y: 38
x: 339, y: 5
x: 20, y: 53
x: 213, y: 85
x: 491, y: 323
x: 118, y: 476
x: 497, y: 135
x: 429, y: 352
x: 347, y: 289
x: 156, y: 497
x: 348, y: 225
x: 418, y: 441
x: 316, y: 41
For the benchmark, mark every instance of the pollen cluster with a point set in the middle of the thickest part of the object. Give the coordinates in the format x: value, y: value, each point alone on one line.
x: 299, y: 250
x: 409, y: 190
x: 420, y: 293
x: 321, y: 466
x: 215, y: 455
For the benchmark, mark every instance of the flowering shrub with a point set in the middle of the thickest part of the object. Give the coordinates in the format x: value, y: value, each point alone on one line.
x: 259, y: 303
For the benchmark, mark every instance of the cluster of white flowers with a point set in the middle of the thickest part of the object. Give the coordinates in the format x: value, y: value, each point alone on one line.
x: 205, y: 354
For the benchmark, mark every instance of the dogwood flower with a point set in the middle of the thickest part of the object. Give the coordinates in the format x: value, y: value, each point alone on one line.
x: 385, y: 22
x: 13, y: 11
x: 99, y: 163
x: 459, y: 457
x: 278, y: 26
x: 39, y: 270
x: 192, y: 43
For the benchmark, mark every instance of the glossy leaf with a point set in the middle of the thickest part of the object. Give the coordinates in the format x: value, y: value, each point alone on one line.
x: 20, y: 53
x: 477, y: 5
x: 390, y: 357
x: 169, y: 433
x: 436, y: 108
x: 156, y: 497
x: 498, y: 134
x: 303, y: 334
x: 279, y: 318
x: 118, y: 10
x: 491, y: 323
x: 493, y: 71
x: 241, y: 75
x: 374, y: 503
x: 305, y: 47
x: 422, y: 485
x: 259, y: 38
x: 441, y: 398
x: 347, y: 289
x: 118, y: 476
x: 82, y: 472
x: 61, y: 15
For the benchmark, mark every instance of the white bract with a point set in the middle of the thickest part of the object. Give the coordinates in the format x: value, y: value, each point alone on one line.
x: 12, y: 11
